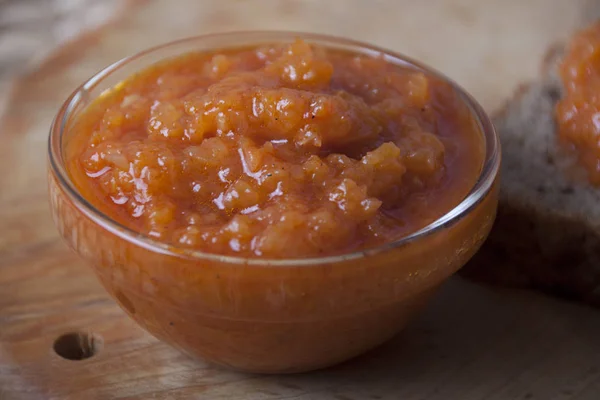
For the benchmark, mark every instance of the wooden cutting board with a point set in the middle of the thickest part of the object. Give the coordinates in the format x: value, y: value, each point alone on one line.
x: 472, y: 343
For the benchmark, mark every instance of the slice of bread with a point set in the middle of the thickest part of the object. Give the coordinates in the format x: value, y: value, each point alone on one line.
x: 547, y: 232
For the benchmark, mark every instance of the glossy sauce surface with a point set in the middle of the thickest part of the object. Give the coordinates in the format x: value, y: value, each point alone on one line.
x: 578, y: 112
x: 276, y: 151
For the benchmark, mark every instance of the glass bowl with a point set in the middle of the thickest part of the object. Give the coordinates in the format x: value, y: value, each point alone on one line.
x: 259, y: 315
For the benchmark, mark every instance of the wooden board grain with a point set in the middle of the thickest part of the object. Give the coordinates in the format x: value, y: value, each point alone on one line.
x: 472, y: 343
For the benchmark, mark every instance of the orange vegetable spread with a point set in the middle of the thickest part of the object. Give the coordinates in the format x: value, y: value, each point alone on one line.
x: 578, y: 112
x: 276, y: 151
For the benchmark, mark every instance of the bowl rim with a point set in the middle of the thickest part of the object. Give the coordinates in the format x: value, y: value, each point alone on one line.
x: 478, y: 192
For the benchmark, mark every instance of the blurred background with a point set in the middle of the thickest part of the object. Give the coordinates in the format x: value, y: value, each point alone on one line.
x: 472, y: 41
x: 31, y: 29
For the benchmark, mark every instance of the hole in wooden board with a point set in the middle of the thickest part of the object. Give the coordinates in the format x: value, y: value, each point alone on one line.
x: 77, y: 345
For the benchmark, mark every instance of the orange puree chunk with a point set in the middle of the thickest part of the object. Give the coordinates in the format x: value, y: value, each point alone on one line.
x: 276, y: 151
x: 578, y: 112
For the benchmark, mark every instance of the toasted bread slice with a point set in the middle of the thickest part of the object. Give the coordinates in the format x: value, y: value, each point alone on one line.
x: 547, y: 232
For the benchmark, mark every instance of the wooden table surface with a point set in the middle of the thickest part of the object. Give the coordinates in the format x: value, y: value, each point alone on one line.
x: 472, y: 343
